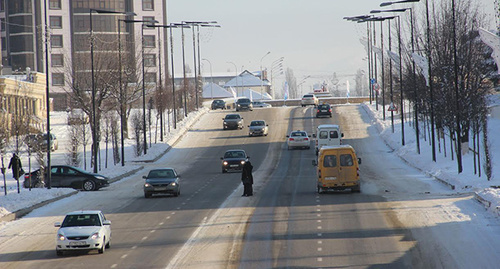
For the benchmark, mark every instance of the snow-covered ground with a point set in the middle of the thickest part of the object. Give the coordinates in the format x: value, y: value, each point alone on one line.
x: 444, y: 169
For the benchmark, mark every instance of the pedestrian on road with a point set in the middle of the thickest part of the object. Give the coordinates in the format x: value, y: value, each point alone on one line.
x: 247, y: 179
x: 17, y: 167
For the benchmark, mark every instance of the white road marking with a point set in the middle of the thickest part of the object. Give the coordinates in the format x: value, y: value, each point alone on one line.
x: 319, y: 227
x: 320, y: 249
x: 124, y: 256
x: 144, y: 238
x: 319, y: 221
x: 320, y: 259
x: 320, y: 242
x: 114, y: 265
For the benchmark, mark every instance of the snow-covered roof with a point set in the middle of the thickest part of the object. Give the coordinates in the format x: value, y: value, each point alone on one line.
x: 246, y: 79
x: 212, y: 90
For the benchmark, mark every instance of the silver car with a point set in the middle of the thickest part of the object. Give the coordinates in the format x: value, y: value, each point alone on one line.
x: 164, y: 180
x: 258, y: 127
x: 298, y: 139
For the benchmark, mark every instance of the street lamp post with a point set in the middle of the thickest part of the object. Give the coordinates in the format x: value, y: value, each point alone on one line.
x: 262, y: 74
x: 212, y: 78
x: 170, y: 26
x: 236, y: 76
x: 122, y: 99
x: 145, y: 143
x: 47, y: 102
x: 95, y: 143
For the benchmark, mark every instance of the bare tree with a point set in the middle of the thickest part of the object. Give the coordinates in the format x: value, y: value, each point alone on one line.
x: 292, y: 83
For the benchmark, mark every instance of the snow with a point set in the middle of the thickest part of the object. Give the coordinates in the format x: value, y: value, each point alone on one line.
x: 444, y: 169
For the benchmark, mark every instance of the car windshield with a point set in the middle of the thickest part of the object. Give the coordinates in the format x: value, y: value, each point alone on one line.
x: 257, y: 123
x: 81, y: 220
x: 232, y: 117
x: 308, y: 96
x: 243, y: 100
x: 218, y: 101
x: 234, y: 154
x: 299, y: 134
x: 164, y: 173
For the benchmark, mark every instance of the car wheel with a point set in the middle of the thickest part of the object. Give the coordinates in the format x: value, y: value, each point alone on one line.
x: 224, y: 170
x: 330, y: 115
x: 177, y: 193
x: 147, y: 195
x: 59, y: 252
x: 103, y: 246
x: 89, y: 185
x: 108, y: 245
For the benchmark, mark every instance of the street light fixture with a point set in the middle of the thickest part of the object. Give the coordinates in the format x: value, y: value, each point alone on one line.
x: 398, y: 2
x: 95, y: 143
x: 144, y: 22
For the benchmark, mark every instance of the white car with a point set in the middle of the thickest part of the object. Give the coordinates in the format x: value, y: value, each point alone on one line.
x: 83, y: 230
x: 298, y: 139
x: 309, y: 99
x: 258, y: 127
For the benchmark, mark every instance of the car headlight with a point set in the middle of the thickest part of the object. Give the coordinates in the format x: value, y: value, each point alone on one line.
x: 147, y: 185
x: 95, y: 236
x: 61, y: 237
x: 173, y: 184
x: 100, y: 177
x: 224, y: 162
x: 242, y: 162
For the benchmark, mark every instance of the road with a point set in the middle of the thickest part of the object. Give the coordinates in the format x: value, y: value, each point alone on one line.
x: 401, y: 219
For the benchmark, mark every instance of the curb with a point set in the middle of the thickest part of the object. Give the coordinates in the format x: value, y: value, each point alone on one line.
x: 22, y: 212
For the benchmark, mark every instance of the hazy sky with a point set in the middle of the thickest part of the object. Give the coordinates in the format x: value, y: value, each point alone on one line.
x: 311, y: 35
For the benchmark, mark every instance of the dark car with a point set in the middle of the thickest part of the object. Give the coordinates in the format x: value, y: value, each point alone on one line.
x: 38, y: 142
x: 244, y: 104
x: 218, y: 104
x: 232, y: 121
x: 67, y: 176
x: 323, y: 110
x: 164, y: 180
x: 234, y: 160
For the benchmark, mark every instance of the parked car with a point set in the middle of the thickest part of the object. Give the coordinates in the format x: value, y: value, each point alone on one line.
x: 244, y: 104
x: 39, y: 142
x: 233, y: 160
x: 218, y: 104
x: 260, y: 104
x: 232, y: 121
x: 164, y: 180
x: 68, y: 176
x: 323, y: 110
x: 83, y: 230
x: 298, y: 139
x: 258, y: 127
x: 309, y: 99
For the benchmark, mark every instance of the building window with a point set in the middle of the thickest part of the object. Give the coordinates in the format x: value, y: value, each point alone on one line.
x: 147, y: 4
x: 4, y: 44
x: 2, y: 26
x: 148, y: 18
x: 150, y: 60
x: 55, y: 22
x: 57, y: 79
x: 56, y: 41
x: 57, y: 60
x: 2, y: 5
x: 149, y: 41
x: 55, y: 4
x: 150, y: 77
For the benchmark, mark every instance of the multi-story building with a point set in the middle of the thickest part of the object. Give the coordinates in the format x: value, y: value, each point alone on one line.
x: 23, y: 40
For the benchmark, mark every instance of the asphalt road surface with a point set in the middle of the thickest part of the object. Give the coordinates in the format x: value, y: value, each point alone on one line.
x: 401, y: 218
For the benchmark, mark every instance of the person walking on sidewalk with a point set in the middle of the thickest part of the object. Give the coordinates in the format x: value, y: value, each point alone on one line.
x: 247, y: 179
x: 17, y: 167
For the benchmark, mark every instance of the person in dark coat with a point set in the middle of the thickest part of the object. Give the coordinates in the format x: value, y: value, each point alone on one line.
x: 247, y: 179
x: 16, y: 165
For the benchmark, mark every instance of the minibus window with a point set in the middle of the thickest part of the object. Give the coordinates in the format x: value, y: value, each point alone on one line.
x: 334, y: 134
x: 323, y: 135
x: 346, y: 160
x: 330, y: 161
